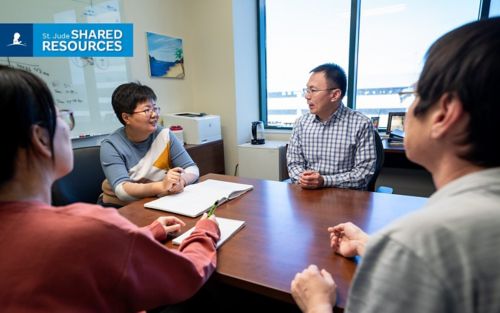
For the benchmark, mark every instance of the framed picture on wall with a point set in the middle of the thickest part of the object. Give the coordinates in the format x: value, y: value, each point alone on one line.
x: 166, y: 56
x: 395, y: 121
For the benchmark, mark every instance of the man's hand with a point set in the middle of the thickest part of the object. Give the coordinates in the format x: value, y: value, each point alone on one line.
x: 348, y: 239
x: 314, y: 290
x: 309, y: 179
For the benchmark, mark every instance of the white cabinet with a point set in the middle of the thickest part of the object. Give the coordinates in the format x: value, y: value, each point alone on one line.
x: 267, y: 161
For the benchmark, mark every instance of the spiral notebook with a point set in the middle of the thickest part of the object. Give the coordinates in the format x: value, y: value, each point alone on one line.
x: 197, y: 198
x: 227, y: 226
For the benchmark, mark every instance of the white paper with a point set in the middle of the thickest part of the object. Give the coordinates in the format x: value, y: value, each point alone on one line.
x: 197, y: 198
x: 227, y: 228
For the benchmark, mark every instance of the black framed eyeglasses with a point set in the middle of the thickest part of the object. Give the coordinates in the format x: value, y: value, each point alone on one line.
x: 149, y: 111
x: 68, y: 118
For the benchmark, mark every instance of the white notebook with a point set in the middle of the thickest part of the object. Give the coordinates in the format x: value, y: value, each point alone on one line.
x: 227, y: 226
x: 197, y: 198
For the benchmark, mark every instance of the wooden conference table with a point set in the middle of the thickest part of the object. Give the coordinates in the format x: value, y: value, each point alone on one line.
x: 286, y: 231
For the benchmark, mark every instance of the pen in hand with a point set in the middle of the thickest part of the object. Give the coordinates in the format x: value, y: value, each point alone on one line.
x: 212, y: 208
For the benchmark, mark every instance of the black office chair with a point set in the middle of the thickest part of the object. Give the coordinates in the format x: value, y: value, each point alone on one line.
x: 378, y: 167
x: 83, y: 184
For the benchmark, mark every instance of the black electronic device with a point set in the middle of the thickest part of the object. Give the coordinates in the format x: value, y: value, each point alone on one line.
x: 396, y: 135
x: 258, y: 133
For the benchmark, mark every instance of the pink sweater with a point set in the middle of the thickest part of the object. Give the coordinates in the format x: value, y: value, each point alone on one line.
x: 83, y: 258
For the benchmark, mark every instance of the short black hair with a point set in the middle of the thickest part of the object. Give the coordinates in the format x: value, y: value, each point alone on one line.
x: 335, y: 76
x: 127, y: 96
x: 466, y: 63
x: 25, y: 100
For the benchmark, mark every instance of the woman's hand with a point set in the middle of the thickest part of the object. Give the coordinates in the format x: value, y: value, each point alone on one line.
x: 172, y: 182
x: 178, y: 187
x: 171, y: 224
x: 212, y: 218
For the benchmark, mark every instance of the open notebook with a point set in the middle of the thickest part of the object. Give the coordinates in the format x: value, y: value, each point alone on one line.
x: 197, y: 198
x: 227, y: 226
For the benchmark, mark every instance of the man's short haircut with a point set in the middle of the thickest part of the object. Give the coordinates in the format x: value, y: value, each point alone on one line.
x: 466, y: 63
x: 127, y: 96
x: 335, y: 76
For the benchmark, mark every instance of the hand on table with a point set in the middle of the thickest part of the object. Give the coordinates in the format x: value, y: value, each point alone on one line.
x: 178, y: 187
x: 314, y: 290
x: 172, y: 182
x: 310, y: 179
x: 348, y: 239
x: 171, y: 224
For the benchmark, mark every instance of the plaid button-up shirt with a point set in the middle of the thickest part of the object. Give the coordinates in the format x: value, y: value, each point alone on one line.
x: 341, y: 149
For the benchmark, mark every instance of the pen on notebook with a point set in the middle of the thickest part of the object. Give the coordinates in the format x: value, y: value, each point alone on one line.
x: 214, y: 206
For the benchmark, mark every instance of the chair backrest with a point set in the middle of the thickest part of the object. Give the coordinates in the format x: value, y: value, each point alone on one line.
x: 379, y: 163
x: 83, y: 184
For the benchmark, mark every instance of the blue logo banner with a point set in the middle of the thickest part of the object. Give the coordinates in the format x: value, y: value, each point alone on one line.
x: 67, y: 40
x: 16, y: 40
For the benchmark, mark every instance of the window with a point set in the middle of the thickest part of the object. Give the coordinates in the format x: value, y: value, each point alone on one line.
x: 393, y: 37
x: 495, y: 8
x: 299, y: 36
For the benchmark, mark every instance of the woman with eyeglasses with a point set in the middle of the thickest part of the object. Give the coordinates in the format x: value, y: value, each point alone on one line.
x: 142, y: 159
x: 79, y: 257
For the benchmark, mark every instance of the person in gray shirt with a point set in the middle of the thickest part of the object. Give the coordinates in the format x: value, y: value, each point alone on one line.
x: 443, y: 258
x: 142, y: 159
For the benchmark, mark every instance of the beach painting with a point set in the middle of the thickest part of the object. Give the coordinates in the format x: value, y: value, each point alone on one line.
x: 166, y: 56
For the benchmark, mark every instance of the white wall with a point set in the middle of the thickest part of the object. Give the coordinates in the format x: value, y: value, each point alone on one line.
x: 167, y: 17
x: 246, y: 67
x: 281, y: 135
x: 220, y: 55
x: 213, y: 67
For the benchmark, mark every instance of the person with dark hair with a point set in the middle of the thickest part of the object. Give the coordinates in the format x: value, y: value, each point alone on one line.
x: 142, y: 159
x: 80, y: 257
x: 332, y: 145
x: 443, y: 258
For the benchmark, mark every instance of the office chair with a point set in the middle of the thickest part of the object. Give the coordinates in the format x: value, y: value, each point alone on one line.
x: 83, y: 184
x: 284, y: 168
x: 378, y: 167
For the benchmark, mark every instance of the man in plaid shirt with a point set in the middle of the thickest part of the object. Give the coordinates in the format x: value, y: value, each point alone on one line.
x: 332, y: 146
